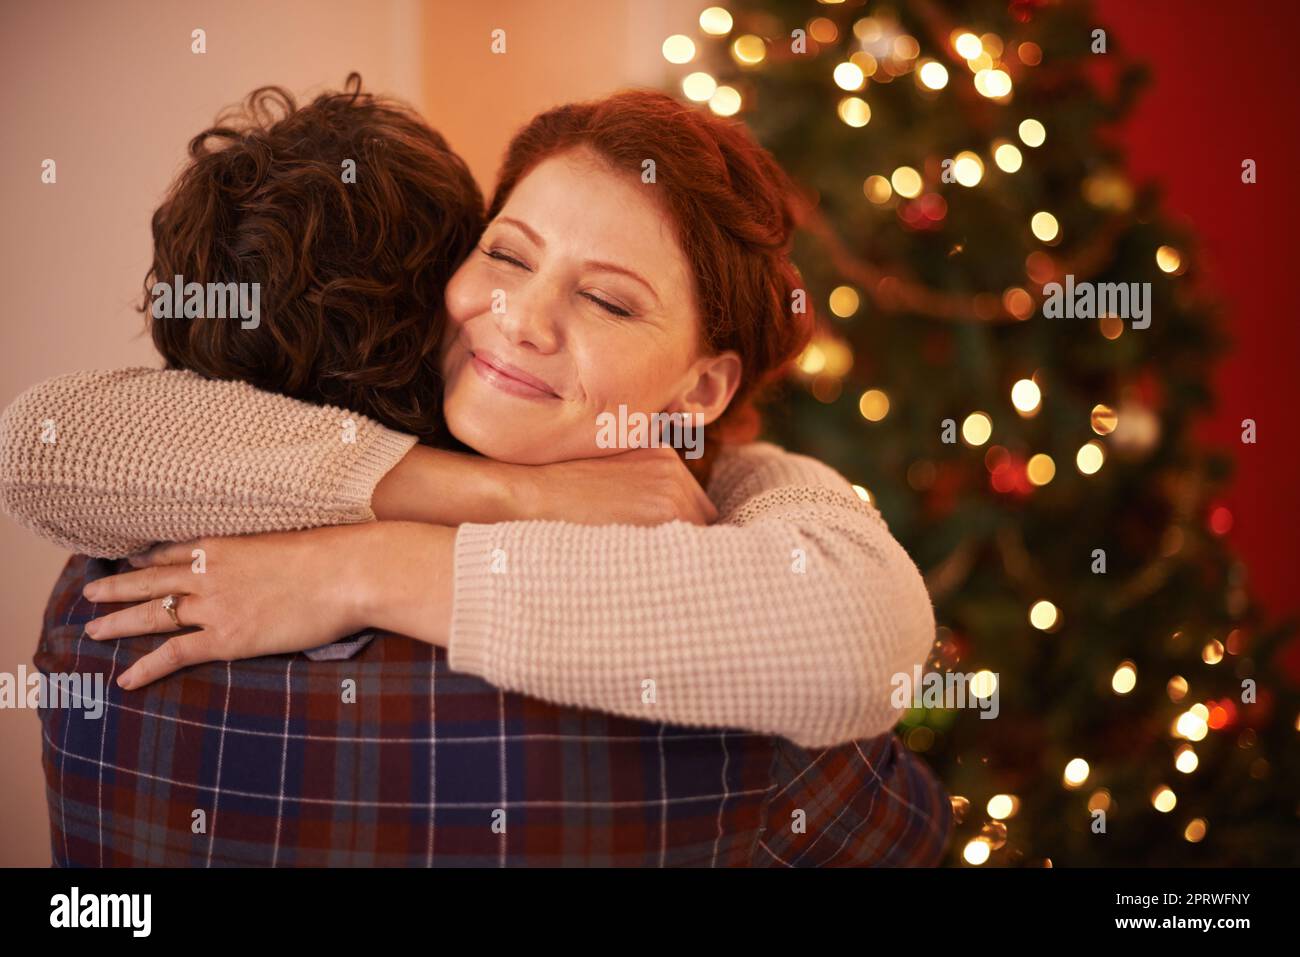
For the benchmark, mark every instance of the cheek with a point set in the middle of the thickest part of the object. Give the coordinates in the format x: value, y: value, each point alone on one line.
x: 638, y: 374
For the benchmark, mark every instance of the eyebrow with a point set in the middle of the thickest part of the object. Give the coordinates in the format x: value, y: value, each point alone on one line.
x: 602, y: 265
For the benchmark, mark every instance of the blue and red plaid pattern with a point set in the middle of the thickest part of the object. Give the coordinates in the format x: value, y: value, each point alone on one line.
x: 430, y: 767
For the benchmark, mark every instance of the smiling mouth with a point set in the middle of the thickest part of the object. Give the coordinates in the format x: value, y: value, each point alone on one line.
x: 509, y: 379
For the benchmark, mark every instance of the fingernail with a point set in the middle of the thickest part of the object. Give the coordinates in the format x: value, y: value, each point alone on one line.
x: 91, y: 590
x: 92, y: 627
x: 125, y: 681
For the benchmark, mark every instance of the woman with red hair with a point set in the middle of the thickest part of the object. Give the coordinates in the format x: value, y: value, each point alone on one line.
x: 635, y: 262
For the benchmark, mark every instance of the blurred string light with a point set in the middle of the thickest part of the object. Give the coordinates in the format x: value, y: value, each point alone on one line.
x: 1112, y: 327
x: 1040, y: 469
x: 865, y: 62
x: 994, y: 84
x: 1044, y: 226
x: 1044, y: 616
x: 1089, y: 458
x: 1124, y: 679
x: 1193, y: 724
x: 976, y: 429
x: 679, y: 49
x: 1026, y: 397
x: 1032, y: 133
x: 823, y: 30
x: 715, y: 21
x: 844, y: 301
x: 967, y: 168
x: 725, y: 101
x: 976, y: 851
x: 906, y: 182
x: 1104, y: 419
x: 1176, y: 688
x: 849, y: 76
x: 1076, y: 773
x: 1003, y: 806
x: 854, y: 111
x: 699, y: 87
x: 1007, y: 156
x: 906, y: 47
x: 1168, y: 259
x: 748, y: 50
x: 932, y: 75
x: 1018, y: 302
x: 983, y: 684
x: 877, y: 189
x: 874, y: 405
x: 967, y: 45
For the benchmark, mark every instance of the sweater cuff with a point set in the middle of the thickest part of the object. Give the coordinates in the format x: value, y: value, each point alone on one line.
x: 380, y: 450
x: 469, y: 645
x: 342, y: 649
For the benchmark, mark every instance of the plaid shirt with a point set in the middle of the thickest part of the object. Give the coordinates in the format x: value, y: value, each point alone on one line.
x: 423, y: 766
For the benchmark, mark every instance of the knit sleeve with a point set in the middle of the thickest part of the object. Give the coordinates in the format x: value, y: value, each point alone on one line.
x: 107, y: 463
x: 790, y: 616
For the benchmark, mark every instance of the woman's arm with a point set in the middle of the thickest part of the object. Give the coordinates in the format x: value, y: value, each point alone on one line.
x: 791, y: 615
x: 107, y: 463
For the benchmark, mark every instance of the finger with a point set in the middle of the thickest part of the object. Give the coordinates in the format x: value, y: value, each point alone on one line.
x: 708, y: 512
x: 165, y: 553
x: 142, y: 585
x: 172, y: 655
x: 148, y: 618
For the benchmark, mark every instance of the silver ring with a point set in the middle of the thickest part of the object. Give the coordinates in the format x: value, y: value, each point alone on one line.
x: 169, y: 605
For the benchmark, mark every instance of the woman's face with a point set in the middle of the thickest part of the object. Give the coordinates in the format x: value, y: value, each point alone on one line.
x: 577, y: 300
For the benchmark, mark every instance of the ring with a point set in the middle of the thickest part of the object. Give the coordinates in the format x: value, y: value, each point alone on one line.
x: 169, y: 606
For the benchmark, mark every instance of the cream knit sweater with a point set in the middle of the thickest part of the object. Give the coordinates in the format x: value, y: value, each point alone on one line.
x: 789, y: 616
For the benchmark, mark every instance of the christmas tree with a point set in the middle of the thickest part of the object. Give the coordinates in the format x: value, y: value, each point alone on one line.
x: 1012, y: 352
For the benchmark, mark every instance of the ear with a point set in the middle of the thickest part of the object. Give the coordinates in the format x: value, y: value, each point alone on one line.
x: 709, y: 386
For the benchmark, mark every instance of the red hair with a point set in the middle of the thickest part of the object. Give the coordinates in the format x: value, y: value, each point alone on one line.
x: 731, y: 205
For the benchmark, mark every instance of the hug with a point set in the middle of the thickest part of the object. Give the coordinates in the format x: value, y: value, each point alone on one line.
x: 366, y: 587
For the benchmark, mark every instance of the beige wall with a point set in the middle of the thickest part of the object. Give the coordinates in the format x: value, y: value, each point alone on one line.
x: 112, y: 92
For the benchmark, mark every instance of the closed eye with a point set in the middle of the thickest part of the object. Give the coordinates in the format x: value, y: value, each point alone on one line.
x: 500, y: 256
x: 608, y: 306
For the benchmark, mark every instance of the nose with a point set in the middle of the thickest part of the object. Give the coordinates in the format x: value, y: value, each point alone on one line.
x: 532, y: 316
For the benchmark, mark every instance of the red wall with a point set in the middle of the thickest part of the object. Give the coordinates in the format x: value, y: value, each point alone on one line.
x: 1226, y: 88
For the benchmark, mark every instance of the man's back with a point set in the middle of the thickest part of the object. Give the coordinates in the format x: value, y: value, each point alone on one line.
x: 388, y: 758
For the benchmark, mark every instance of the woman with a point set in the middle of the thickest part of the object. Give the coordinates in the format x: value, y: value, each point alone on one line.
x: 596, y: 286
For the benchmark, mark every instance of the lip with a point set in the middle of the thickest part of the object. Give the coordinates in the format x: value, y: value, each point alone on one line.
x: 510, y: 379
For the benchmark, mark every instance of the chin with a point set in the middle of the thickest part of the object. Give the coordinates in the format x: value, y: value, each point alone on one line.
x: 484, y: 435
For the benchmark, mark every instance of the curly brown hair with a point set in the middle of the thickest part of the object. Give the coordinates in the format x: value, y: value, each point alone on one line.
x: 351, y: 274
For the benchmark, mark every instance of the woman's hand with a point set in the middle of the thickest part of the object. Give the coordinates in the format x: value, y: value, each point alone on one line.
x: 639, y: 487
x: 246, y: 597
